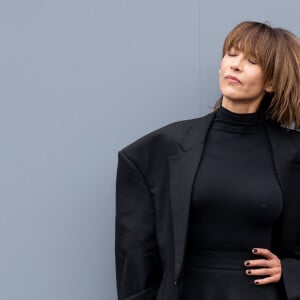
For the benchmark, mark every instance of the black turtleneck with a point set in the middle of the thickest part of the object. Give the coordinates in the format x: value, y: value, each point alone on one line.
x: 236, y: 197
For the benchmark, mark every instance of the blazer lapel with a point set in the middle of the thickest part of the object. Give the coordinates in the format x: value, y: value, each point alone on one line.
x: 183, y: 167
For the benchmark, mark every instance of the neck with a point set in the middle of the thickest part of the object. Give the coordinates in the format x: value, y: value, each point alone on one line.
x: 240, y: 107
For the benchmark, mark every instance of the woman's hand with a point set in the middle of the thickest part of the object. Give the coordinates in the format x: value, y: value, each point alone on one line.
x: 269, y: 266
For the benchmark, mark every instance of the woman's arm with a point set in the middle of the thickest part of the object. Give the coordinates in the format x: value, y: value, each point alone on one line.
x: 138, y: 267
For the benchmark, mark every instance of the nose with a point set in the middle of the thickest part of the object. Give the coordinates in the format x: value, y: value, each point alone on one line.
x: 237, y: 63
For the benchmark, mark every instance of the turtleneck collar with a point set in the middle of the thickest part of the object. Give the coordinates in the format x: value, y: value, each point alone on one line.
x: 227, y: 120
x: 250, y: 118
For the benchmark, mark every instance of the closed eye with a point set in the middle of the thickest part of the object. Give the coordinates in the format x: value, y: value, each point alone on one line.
x: 231, y: 54
x: 252, y: 61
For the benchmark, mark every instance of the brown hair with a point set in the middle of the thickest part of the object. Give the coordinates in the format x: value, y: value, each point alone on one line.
x: 277, y: 51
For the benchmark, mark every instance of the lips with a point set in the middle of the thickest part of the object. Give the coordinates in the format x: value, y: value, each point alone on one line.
x: 233, y: 79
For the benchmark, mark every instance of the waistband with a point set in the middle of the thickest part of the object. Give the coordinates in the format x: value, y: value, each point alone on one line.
x: 219, y: 259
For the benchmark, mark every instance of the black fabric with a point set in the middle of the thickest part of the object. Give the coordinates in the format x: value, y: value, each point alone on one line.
x: 236, y: 199
x: 220, y: 275
x: 225, y: 282
x: 155, y: 177
x: 236, y: 196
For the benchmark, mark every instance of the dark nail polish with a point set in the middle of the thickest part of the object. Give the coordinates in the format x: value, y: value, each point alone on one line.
x: 248, y: 272
x: 247, y: 263
x: 254, y: 250
x: 256, y: 282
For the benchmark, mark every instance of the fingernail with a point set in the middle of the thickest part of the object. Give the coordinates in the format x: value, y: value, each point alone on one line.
x: 247, y: 263
x: 248, y: 272
x: 256, y: 282
x: 254, y: 250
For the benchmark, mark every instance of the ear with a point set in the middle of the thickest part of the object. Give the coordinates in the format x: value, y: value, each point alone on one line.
x: 269, y: 87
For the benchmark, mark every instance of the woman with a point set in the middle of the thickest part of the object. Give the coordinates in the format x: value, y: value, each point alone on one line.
x: 209, y: 208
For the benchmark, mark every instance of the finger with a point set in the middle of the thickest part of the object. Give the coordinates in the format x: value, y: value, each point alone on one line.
x: 263, y: 252
x: 267, y: 280
x: 263, y: 272
x: 258, y: 263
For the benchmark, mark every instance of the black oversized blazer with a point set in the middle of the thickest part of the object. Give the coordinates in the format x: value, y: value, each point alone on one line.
x: 153, y: 191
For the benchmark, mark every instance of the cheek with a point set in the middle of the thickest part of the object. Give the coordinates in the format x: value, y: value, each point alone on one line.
x: 257, y: 83
x: 222, y: 66
x: 222, y: 71
x: 221, y: 76
x: 256, y: 78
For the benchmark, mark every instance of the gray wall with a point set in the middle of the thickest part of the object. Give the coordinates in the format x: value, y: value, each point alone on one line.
x: 79, y: 81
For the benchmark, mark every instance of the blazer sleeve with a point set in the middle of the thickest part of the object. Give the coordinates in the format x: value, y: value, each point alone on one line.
x: 138, y: 266
x: 291, y: 265
x: 291, y: 276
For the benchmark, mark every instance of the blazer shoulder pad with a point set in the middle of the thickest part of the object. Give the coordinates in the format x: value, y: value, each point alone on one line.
x: 163, y: 141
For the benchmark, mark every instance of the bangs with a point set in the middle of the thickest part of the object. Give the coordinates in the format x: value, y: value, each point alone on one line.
x: 255, y: 40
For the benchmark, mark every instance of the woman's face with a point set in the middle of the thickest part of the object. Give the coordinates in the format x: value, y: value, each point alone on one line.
x: 241, y: 79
